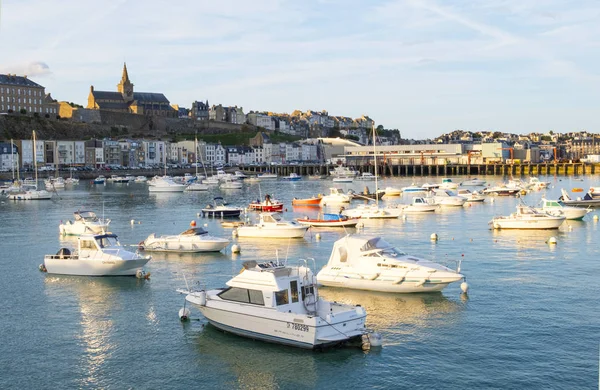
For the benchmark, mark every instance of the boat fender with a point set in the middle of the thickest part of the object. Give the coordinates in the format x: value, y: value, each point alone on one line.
x: 202, y: 296
x: 42, y: 268
x: 184, y: 314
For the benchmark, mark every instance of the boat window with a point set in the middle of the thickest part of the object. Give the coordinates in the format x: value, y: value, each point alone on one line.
x: 294, y: 290
x: 281, y: 297
x: 235, y: 294
x: 343, y: 255
x: 87, y: 244
x: 307, y: 290
x: 268, y: 218
x: 107, y: 242
x: 256, y: 297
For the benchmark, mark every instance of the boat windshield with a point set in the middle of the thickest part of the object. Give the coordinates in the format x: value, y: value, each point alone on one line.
x: 107, y: 241
x: 271, y: 218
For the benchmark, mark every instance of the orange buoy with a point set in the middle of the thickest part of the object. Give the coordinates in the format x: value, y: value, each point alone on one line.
x: 193, y: 223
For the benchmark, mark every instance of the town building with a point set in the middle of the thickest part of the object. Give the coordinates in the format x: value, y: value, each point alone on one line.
x: 125, y: 100
x: 19, y: 93
x: 9, y: 156
x: 199, y: 111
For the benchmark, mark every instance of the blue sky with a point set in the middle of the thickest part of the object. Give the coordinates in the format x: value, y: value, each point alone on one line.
x: 423, y: 67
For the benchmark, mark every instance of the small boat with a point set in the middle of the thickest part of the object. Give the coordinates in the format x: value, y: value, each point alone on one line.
x: 502, y: 190
x: 448, y: 184
x: 230, y: 184
x: 366, y: 194
x: 370, y: 263
x: 329, y: 220
x: 392, y: 191
x: 279, y: 304
x: 413, y: 188
x: 474, y: 182
x: 268, y: 205
x: 366, y: 176
x: 100, y: 180
x: 192, y: 240
x: 219, y: 210
x: 537, y: 184
x: 527, y: 217
x: 555, y: 207
x: 470, y: 196
x: 96, y: 255
x: 197, y: 186
x: 84, y: 222
x: 336, y: 196
x: 165, y: 184
x: 429, y: 187
x: 419, y: 205
x: 29, y: 193
x: 587, y: 201
x: 272, y: 225
x: 316, y: 177
x: 292, y: 177
x: 232, y: 224
x: 577, y: 189
x: 71, y: 181
x: 447, y: 198
x: 267, y: 176
x: 55, y: 183
x: 240, y: 175
x: 373, y: 211
x: 314, y: 201
x: 141, y: 179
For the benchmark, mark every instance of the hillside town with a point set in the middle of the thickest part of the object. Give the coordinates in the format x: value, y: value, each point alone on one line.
x: 169, y: 133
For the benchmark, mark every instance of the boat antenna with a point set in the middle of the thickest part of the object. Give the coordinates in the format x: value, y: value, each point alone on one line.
x: 288, y: 251
x: 277, y: 255
x: 375, y: 165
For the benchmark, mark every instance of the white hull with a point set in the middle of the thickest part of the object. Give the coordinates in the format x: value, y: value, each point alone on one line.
x: 272, y: 232
x: 231, y: 186
x: 570, y: 213
x: 407, y: 286
x: 31, y: 195
x: 348, y: 223
x: 93, y: 266
x: 180, y: 245
x: 173, y: 188
x: 412, y: 209
x: 473, y: 183
x: 197, y: 187
x: 343, y: 180
x: 505, y: 223
x: 371, y: 212
x: 293, y: 329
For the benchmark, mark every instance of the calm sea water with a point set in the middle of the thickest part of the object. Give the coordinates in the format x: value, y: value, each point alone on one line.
x: 530, y: 320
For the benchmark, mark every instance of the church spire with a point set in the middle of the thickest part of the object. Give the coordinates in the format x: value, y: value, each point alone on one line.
x: 125, y: 77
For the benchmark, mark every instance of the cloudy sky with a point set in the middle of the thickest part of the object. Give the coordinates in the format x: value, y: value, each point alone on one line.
x: 425, y: 67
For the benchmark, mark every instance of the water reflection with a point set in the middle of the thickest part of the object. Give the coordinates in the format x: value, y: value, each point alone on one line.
x: 97, y: 300
x: 256, y: 364
x: 385, y: 310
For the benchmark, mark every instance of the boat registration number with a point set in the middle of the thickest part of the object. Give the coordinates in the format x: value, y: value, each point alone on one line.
x: 300, y: 327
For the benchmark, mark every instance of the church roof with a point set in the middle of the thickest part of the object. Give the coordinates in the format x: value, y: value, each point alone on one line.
x: 142, y: 97
x: 113, y: 106
x: 107, y: 95
x: 17, y: 80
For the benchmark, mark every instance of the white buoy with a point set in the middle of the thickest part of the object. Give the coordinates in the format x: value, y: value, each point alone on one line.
x: 433, y: 237
x: 404, y: 217
x: 464, y: 286
x: 595, y: 217
x: 235, y: 248
x: 375, y: 339
x: 184, y: 314
x: 552, y: 240
x: 234, y: 233
x: 197, y: 214
x: 133, y: 221
x: 205, y: 225
x: 318, y: 236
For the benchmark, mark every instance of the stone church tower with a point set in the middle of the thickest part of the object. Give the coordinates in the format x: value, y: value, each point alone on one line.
x: 125, y: 87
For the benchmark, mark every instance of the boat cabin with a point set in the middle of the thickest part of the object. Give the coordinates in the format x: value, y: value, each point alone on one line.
x: 197, y: 231
x: 85, y: 216
x: 98, y: 242
x: 352, y: 251
x: 288, y: 289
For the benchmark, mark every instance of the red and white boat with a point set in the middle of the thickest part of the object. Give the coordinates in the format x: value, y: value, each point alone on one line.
x: 314, y: 201
x: 267, y: 205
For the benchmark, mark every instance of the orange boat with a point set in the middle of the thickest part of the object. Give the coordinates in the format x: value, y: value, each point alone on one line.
x: 577, y: 190
x: 306, y: 202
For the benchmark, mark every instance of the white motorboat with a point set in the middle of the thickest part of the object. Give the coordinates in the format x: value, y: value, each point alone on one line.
x: 71, y: 181
x: 446, y: 198
x: 537, y: 184
x: 230, y: 184
x: 240, y: 175
x: 278, y: 304
x: 25, y: 192
x: 141, y: 179
x: 555, y: 207
x: 474, y: 182
x: 84, y: 222
x: 272, y: 225
x: 448, y: 184
x: 419, y: 205
x: 292, y: 177
x: 96, y: 255
x: 366, y: 176
x: 165, y: 184
x: 392, y: 191
x: 413, y: 188
x: 373, y: 211
x: 470, y: 196
x: 55, y: 183
x: 336, y: 196
x: 341, y: 174
x: 429, y: 186
x: 527, y: 217
x: 370, y: 263
x: 267, y: 176
x: 329, y: 220
x: 192, y: 240
x: 197, y: 186
x: 588, y: 200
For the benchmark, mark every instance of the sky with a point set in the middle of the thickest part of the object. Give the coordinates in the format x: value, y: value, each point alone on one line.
x: 424, y: 67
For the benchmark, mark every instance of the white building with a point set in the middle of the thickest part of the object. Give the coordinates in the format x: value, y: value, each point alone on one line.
x: 308, y: 152
x: 293, y: 152
x: 215, y: 154
x: 154, y: 152
x: 9, y: 156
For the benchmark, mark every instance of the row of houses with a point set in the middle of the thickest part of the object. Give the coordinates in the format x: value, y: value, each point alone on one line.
x: 146, y: 153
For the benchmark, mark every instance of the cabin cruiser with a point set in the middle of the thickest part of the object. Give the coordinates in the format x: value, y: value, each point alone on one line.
x: 343, y: 174
x: 240, y: 175
x: 219, y: 209
x: 413, y: 188
x: 537, y: 184
x: 470, y: 196
x: 336, y: 196
x: 587, y: 201
x: 429, y: 187
x: 474, y: 182
x: 502, y: 190
x: 527, y: 217
x: 192, y: 240
x: 267, y: 176
x: 446, y: 198
x: 165, y: 184
x: 272, y: 225
x: 292, y: 177
x: 419, y: 205
x: 55, y: 183
x: 84, y: 222
x: 372, y: 211
x: 555, y: 207
x: 279, y: 304
x: 96, y: 255
x: 366, y: 176
x: 370, y: 263
x: 448, y: 184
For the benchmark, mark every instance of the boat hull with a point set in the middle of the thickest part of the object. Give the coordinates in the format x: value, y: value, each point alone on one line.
x: 267, y: 232
x: 77, y: 229
x: 407, y: 286
x: 73, y: 265
x: 174, y: 188
x: 266, y: 208
x: 306, y: 202
x: 528, y: 224
x: 221, y: 213
x: 325, y: 223
x: 181, y: 246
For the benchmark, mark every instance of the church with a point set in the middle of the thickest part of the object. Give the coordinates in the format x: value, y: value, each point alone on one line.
x: 127, y: 101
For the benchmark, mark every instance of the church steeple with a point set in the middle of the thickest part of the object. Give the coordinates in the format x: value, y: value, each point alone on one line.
x: 125, y: 87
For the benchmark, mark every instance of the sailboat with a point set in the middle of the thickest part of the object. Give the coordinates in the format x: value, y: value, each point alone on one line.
x: 56, y: 182
x: 165, y: 183
x: 197, y: 185
x: 31, y: 192
x: 372, y: 210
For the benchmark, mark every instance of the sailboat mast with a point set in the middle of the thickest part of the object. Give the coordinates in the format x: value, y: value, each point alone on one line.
x: 35, y: 160
x: 12, y: 159
x: 375, y: 163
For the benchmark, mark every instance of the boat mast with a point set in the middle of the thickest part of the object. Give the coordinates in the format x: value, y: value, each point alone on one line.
x: 12, y: 159
x: 375, y: 163
x: 35, y: 161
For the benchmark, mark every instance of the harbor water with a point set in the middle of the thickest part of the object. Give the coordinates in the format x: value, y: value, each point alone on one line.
x: 530, y: 319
